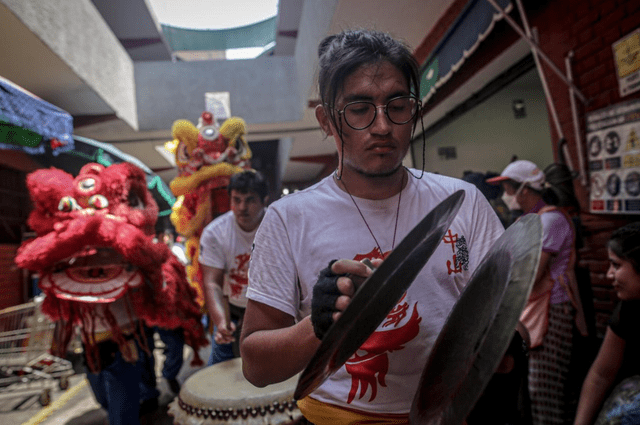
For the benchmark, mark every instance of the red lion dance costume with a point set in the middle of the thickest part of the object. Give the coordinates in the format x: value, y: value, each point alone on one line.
x: 206, y: 157
x: 100, y: 268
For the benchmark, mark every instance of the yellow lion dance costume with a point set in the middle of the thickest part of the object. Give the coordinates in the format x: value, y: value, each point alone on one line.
x: 206, y: 157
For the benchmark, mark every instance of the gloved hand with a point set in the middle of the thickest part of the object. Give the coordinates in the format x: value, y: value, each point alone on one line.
x: 323, y: 301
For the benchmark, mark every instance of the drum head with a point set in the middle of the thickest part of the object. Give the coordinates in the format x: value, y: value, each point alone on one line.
x: 220, y: 394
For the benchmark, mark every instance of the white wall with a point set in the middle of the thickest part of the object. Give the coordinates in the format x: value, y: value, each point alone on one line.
x: 488, y: 136
x: 77, y: 33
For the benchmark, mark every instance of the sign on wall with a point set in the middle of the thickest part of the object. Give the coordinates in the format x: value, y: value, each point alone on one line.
x: 626, y: 55
x: 613, y: 143
x: 219, y: 104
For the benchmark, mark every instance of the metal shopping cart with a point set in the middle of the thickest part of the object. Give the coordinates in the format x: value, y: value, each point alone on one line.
x: 26, y: 367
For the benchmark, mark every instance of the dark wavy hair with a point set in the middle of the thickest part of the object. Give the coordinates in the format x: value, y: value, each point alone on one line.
x: 625, y: 243
x: 341, y: 54
x: 249, y: 181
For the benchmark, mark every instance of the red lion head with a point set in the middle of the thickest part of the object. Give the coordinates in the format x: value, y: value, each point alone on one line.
x: 95, y: 245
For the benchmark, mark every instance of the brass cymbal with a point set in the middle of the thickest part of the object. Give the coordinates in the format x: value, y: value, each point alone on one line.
x: 480, y: 327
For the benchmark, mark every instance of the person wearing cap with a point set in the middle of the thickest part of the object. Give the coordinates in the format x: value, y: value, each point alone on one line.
x: 554, y: 304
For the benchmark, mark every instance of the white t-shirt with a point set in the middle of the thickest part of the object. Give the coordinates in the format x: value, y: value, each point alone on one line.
x: 224, y: 245
x: 302, y: 232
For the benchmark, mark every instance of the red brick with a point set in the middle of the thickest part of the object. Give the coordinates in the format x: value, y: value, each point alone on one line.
x: 585, y: 36
x: 605, y: 55
x: 602, y: 319
x: 591, y: 254
x: 631, y: 7
x: 599, y: 279
x: 581, y: 9
x: 569, y: 21
x: 612, y: 35
x: 572, y: 42
x: 580, y: 67
x: 609, y: 21
x: 602, y: 100
x: 597, y: 222
x: 609, y: 82
x: 584, y: 21
x: 588, y: 48
x: 630, y: 24
x: 567, y: 7
x: 609, y: 66
x: 604, y: 7
x: 592, y: 89
x: 604, y: 305
x: 592, y: 75
x: 602, y: 294
x: 606, y: 309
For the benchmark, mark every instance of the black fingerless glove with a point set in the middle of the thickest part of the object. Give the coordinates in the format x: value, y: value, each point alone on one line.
x: 323, y: 302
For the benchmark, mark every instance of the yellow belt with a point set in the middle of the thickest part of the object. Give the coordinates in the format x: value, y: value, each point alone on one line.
x: 99, y: 337
x: 320, y: 413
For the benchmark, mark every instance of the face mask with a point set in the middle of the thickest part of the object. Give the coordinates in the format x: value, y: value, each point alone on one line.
x: 510, y: 202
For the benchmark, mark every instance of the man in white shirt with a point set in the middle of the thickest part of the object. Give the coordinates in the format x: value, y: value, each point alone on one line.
x: 369, y: 87
x: 225, y: 249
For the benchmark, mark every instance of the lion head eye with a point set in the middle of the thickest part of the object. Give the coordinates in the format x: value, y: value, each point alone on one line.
x: 209, y: 132
x: 98, y: 202
x: 68, y: 204
x: 87, y: 185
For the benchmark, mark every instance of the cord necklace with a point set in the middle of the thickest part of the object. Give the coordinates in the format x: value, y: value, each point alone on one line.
x: 395, y: 229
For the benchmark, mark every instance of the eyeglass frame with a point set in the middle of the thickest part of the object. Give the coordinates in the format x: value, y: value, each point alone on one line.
x: 385, y: 108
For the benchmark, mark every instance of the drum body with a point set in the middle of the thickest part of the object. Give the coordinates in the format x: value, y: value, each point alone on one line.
x: 220, y: 394
x: 623, y: 405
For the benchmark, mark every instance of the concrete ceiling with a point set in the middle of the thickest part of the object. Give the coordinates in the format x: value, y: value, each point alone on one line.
x: 29, y: 62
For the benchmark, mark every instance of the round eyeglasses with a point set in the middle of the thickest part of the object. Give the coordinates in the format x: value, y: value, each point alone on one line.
x: 361, y: 114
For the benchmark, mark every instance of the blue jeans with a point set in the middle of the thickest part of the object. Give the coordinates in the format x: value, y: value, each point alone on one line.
x: 117, y: 389
x: 121, y: 386
x: 173, y: 352
x: 220, y: 352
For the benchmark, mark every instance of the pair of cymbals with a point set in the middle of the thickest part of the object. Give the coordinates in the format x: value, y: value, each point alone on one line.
x: 477, y: 332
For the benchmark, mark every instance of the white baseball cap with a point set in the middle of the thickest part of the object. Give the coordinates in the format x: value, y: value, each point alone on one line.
x: 522, y: 171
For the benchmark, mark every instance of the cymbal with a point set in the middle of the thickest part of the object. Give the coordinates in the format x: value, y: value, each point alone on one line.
x: 480, y: 327
x: 377, y: 295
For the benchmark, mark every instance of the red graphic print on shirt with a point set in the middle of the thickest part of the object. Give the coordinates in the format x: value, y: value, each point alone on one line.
x: 460, y: 259
x: 239, y: 275
x: 369, y: 365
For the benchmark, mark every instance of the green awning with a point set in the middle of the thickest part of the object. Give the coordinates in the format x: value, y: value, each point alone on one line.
x: 256, y: 35
x: 472, y: 26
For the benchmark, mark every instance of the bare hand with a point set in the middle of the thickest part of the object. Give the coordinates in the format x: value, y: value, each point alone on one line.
x: 357, y: 272
x: 225, y: 333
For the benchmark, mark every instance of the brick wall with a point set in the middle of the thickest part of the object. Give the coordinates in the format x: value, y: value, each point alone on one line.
x: 587, y: 28
x: 11, y: 278
x: 583, y: 30
x: 14, y: 210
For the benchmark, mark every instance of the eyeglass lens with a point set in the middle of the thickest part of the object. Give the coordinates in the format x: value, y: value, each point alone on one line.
x: 360, y: 115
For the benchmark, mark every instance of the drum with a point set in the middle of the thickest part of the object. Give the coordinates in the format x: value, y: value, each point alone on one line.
x: 220, y: 394
x: 623, y: 405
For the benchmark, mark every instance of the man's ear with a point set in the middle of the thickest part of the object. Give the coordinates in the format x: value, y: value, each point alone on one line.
x: 323, y: 119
